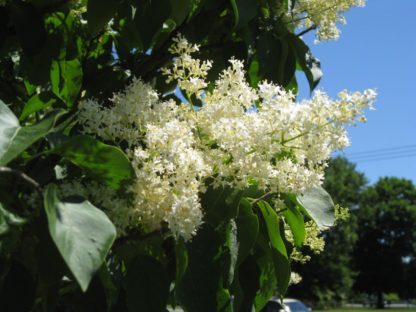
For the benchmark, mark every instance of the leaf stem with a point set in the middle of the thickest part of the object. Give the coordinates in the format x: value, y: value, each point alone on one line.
x: 261, y: 198
x: 304, y: 133
x: 24, y: 177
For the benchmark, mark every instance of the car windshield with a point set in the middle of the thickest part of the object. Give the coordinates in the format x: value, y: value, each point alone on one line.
x: 296, y: 306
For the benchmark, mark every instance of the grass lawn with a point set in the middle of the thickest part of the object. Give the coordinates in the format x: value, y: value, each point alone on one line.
x: 368, y: 310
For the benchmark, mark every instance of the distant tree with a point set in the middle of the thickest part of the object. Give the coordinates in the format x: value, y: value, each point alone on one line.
x: 328, y: 277
x: 386, y: 236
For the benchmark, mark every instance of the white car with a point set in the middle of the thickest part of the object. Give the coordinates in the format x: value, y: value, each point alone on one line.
x: 289, y: 305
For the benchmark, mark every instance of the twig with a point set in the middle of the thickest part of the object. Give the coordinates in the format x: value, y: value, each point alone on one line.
x: 306, y: 30
x: 261, y: 198
x: 24, y: 177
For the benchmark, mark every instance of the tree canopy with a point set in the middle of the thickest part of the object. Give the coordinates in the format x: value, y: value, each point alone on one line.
x: 385, y: 251
x: 328, y: 278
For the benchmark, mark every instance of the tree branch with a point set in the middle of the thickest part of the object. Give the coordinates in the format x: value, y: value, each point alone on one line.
x: 306, y: 30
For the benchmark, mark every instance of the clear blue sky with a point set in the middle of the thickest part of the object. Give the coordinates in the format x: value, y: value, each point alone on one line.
x: 377, y: 49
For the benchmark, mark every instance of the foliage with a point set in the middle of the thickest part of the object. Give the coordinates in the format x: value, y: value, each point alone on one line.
x: 327, y: 279
x: 59, y: 247
x: 385, y: 252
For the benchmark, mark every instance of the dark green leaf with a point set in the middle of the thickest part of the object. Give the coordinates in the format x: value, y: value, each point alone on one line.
x: 247, y: 10
x: 307, y: 62
x: 201, y: 286
x: 279, y: 253
x: 29, y: 26
x: 267, y: 276
x: 147, y: 285
x: 14, y: 139
x: 247, y: 229
x: 180, y: 10
x: 276, y: 59
x: 106, y: 163
x: 149, y: 19
x: 269, y: 51
x: 295, y: 220
x: 38, y: 102
x: 82, y: 233
x: 220, y: 205
x: 99, y: 13
x: 318, y: 205
x: 246, y: 285
x: 236, y: 12
x: 181, y: 256
x: 66, y: 80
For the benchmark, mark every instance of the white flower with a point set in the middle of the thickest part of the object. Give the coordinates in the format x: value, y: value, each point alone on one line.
x: 238, y: 136
x: 325, y: 14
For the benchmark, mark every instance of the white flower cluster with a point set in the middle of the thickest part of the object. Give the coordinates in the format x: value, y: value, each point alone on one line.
x: 324, y: 14
x: 313, y: 239
x: 189, y: 73
x: 239, y: 136
x: 295, y: 278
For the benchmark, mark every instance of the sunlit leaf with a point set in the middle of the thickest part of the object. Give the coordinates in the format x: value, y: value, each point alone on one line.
x: 14, y: 139
x: 318, y: 204
x: 106, y: 163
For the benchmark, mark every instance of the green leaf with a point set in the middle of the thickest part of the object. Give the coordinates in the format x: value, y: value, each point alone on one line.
x: 181, y: 257
x: 310, y: 65
x: 149, y: 19
x: 8, y: 220
x: 276, y: 59
x: 295, y: 220
x: 14, y: 139
x: 66, y: 79
x: 147, y: 285
x: 235, y: 11
x: 201, y: 286
x: 224, y: 301
x: 318, y: 205
x: 247, y: 10
x: 220, y: 204
x: 180, y: 10
x: 82, y: 233
x: 99, y: 13
x: 279, y: 253
x: 267, y: 276
x: 29, y: 25
x: 246, y: 284
x: 247, y: 229
x: 269, y: 50
x: 103, y: 162
x: 37, y: 102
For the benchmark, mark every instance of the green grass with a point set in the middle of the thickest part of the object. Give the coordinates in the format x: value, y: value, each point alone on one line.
x: 368, y: 310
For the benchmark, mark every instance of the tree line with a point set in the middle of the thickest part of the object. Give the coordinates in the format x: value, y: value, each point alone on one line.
x: 370, y: 254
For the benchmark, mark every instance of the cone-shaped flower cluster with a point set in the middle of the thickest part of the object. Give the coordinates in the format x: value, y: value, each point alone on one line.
x: 241, y: 135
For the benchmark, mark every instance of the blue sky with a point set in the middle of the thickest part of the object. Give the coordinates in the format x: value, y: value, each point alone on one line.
x: 377, y: 49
